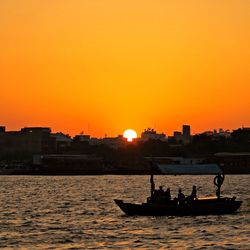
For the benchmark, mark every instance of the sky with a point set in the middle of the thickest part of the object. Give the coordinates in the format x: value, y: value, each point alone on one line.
x: 100, y: 67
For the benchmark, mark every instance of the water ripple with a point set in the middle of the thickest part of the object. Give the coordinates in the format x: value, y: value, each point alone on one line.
x: 78, y: 212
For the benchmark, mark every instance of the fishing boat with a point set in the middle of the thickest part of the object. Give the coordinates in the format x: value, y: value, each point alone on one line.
x: 158, y: 205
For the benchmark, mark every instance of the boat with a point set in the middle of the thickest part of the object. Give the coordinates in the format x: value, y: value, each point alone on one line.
x: 160, y: 206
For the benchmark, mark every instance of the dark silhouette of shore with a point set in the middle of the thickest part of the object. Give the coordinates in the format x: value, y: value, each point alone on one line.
x: 36, y: 150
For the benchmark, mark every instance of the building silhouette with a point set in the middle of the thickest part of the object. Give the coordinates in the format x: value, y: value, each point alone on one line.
x: 151, y: 134
x: 186, y: 131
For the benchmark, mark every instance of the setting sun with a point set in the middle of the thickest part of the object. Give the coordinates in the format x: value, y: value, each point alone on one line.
x: 130, y: 134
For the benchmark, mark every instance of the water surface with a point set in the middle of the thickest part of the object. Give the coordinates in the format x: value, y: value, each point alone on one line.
x: 72, y: 212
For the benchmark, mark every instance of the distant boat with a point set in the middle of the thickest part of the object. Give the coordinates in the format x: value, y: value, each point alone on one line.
x: 159, y: 206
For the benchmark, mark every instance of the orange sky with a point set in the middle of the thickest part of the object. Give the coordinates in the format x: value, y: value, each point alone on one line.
x: 104, y: 66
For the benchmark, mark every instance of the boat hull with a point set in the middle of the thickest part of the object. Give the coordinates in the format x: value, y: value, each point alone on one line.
x: 196, y: 207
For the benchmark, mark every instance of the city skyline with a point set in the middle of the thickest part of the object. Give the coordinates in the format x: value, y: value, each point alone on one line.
x: 88, y: 128
x: 188, y: 130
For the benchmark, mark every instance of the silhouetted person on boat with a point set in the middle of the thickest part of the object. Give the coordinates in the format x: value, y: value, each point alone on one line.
x: 218, y: 181
x: 158, y: 194
x: 161, y: 191
x: 193, y: 195
x: 181, y: 196
x: 167, y: 194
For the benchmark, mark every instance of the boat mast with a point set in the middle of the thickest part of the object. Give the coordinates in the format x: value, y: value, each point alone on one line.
x: 152, y: 184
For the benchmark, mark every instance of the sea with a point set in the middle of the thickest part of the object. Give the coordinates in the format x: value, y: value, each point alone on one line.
x: 78, y: 212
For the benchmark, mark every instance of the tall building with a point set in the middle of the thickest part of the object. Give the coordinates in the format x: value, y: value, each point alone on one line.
x: 186, y: 131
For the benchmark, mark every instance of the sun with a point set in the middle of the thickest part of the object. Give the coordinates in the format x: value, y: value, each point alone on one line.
x: 130, y: 134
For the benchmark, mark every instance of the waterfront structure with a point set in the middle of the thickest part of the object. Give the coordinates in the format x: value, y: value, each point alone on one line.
x: 26, y: 142
x: 222, y: 133
x: 232, y: 163
x: 241, y: 134
x: 68, y: 164
x: 217, y: 134
x: 151, y: 134
x: 114, y: 142
x: 94, y: 141
x: 62, y: 141
x: 82, y: 138
x: 178, y: 136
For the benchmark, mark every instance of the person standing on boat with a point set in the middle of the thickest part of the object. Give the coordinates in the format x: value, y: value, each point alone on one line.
x: 193, y: 195
x: 158, y: 194
x: 161, y: 191
x: 181, y: 196
x: 167, y: 194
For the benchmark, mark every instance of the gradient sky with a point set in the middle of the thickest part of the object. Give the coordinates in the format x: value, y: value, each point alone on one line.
x: 102, y: 66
